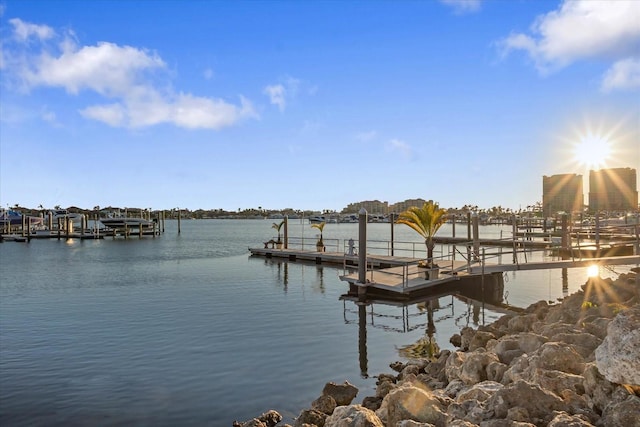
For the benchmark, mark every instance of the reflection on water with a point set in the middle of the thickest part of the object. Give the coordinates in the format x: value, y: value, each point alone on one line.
x: 425, y: 313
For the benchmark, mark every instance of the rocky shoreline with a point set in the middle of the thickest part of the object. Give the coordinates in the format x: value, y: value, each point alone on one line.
x: 575, y: 363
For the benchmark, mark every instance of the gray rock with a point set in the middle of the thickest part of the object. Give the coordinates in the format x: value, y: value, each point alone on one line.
x: 310, y: 416
x: 522, y: 323
x: 268, y: 419
x: 384, y: 388
x: 411, y: 423
x: 584, y: 343
x: 618, y: 358
x: 480, y: 340
x: 495, y: 371
x: 518, y: 413
x: 454, y: 387
x: 353, y: 416
x: 557, y: 381
x: 474, y: 367
x: 454, y: 365
x: 470, y: 411
x: 557, y: 356
x: 409, y: 402
x: 325, y: 404
x: 622, y: 414
x: 538, y: 402
x: 598, y: 390
x: 529, y: 342
x: 480, y: 392
x: 343, y: 394
x: 467, y: 335
x: 253, y: 423
x: 460, y: 423
x: 562, y: 419
x: 372, y: 403
x: 456, y: 340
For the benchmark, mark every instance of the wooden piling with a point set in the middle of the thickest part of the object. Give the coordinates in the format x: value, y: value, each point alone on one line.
x: 362, y: 246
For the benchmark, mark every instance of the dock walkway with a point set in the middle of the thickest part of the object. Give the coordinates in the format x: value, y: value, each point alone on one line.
x: 403, y: 276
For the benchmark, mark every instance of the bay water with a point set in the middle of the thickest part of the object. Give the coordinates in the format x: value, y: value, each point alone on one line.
x: 189, y: 329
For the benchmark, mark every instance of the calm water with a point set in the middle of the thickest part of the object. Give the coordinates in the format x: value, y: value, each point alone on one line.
x: 190, y: 330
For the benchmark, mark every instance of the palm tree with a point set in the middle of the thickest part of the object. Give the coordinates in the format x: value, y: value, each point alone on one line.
x: 278, y: 226
x: 319, y: 226
x: 425, y: 221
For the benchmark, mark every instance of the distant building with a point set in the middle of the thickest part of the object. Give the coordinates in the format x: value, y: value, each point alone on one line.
x: 371, y: 206
x: 403, y: 206
x: 562, y: 193
x: 613, y: 190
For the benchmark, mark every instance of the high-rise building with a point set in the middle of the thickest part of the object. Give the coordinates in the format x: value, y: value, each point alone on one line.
x: 562, y: 193
x: 613, y: 190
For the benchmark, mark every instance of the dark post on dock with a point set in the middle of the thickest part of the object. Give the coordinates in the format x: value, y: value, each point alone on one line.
x: 362, y: 246
x: 392, y: 220
x: 286, y: 231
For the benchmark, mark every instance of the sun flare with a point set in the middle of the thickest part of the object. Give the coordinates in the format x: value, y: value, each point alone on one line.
x: 592, y: 151
x: 593, y: 271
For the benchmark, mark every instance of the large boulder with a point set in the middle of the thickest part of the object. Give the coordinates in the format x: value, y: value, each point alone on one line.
x: 584, y: 343
x: 522, y: 323
x: 453, y: 365
x: 618, y: 358
x: 353, y: 416
x: 557, y: 356
x: 310, y: 416
x: 474, y: 366
x: 343, y: 394
x: 557, y: 381
x: 538, y: 403
x: 325, y: 404
x: 410, y: 402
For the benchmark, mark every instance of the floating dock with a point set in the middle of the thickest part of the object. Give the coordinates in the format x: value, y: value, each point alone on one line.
x: 402, y: 277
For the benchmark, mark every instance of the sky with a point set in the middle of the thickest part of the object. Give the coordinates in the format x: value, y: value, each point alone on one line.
x: 312, y: 105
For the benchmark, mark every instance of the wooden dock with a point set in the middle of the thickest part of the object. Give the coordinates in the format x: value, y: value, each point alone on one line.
x: 402, y: 277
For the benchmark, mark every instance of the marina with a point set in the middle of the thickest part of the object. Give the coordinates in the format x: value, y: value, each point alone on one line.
x: 62, y: 224
x: 135, y: 322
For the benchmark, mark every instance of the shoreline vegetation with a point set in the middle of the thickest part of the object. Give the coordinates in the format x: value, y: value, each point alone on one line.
x: 569, y: 364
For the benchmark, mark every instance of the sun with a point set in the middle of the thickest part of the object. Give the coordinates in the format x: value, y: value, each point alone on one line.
x: 593, y: 271
x: 592, y: 151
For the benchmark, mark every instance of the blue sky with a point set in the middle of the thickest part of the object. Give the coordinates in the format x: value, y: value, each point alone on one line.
x: 311, y: 105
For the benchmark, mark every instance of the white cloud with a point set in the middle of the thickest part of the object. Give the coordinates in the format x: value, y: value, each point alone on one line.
x: 463, y: 6
x: 22, y: 31
x: 123, y: 75
x: 111, y: 114
x: 106, y: 68
x: 405, y: 150
x: 582, y: 29
x: 623, y: 75
x: 281, y: 93
x: 185, y: 110
x: 276, y: 95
